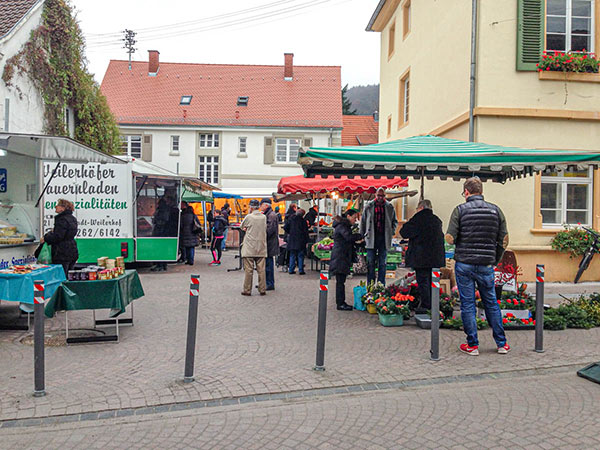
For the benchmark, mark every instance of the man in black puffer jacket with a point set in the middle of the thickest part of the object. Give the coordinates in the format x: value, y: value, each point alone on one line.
x: 425, y: 248
x: 62, y: 237
x: 478, y: 229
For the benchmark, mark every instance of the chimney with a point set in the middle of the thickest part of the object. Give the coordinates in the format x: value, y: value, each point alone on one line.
x: 153, y: 62
x: 288, y: 72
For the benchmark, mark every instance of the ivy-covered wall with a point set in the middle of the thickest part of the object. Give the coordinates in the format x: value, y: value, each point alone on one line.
x: 53, y: 59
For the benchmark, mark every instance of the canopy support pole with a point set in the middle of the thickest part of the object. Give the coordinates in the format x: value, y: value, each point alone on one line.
x: 422, y: 184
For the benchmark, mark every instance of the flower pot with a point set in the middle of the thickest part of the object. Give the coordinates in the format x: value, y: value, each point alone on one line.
x: 424, y: 321
x: 371, y: 309
x: 391, y: 320
x: 518, y: 313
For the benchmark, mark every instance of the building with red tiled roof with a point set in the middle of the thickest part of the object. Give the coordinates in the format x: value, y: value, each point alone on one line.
x: 360, y: 130
x: 21, y: 106
x: 235, y: 126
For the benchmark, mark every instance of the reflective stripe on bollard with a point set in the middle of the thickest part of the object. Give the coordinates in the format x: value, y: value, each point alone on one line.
x: 435, y: 314
x: 539, y: 308
x: 38, y: 340
x: 190, y: 348
x: 322, y: 320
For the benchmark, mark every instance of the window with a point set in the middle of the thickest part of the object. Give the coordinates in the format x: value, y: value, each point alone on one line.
x: 242, y: 101
x: 406, y: 19
x: 209, y: 169
x: 174, y: 144
x: 566, y: 197
x: 569, y: 25
x: 242, y: 147
x: 286, y: 150
x: 391, y: 40
x: 404, y: 99
x: 131, y: 145
x: 185, y: 100
x: 209, y: 140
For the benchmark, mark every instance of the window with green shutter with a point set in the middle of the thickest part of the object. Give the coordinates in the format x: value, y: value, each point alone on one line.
x: 530, y: 33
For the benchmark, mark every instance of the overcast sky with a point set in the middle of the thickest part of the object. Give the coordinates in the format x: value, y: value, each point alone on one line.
x: 318, y: 32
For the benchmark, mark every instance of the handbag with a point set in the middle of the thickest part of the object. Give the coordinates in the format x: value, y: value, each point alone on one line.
x: 359, y: 291
x: 43, y: 254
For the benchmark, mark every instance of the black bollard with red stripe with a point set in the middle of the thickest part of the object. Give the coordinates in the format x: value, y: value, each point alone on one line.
x: 322, y: 320
x: 539, y: 308
x: 190, y: 348
x: 38, y: 340
x: 435, y: 314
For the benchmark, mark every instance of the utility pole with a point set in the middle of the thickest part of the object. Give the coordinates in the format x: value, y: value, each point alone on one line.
x: 129, y: 41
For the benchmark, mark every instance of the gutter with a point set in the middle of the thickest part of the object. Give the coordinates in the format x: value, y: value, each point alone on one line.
x: 375, y: 15
x: 473, y: 71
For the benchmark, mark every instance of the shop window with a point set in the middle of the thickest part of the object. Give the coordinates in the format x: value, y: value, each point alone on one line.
x: 131, y: 145
x: 286, y: 150
x: 157, y: 208
x: 566, y: 197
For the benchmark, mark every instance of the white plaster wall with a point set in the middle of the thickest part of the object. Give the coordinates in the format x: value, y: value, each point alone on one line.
x: 26, y: 112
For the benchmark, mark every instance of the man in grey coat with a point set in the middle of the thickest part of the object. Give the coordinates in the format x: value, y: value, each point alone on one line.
x: 378, y: 225
x: 254, y: 248
x: 272, y: 241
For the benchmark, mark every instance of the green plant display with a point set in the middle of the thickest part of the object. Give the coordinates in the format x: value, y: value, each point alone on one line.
x: 53, y: 59
x: 554, y: 321
x: 456, y: 323
x: 571, y: 240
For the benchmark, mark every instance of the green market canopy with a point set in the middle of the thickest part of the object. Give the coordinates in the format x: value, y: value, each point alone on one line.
x: 432, y: 156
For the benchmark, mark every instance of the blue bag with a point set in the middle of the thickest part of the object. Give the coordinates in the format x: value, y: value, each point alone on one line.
x: 359, y: 291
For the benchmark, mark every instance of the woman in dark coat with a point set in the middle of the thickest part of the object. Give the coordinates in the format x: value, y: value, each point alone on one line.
x: 341, y: 255
x: 425, y: 248
x: 188, y: 237
x: 62, y: 237
x: 297, y: 237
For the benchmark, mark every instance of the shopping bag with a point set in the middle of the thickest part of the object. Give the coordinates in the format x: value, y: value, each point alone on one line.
x: 359, y: 291
x: 45, y: 255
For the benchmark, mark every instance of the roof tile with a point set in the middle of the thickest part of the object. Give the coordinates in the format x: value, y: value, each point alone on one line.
x: 360, y: 130
x: 11, y: 11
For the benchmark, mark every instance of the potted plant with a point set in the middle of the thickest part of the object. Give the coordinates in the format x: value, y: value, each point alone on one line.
x: 393, y: 311
x: 455, y: 323
x: 375, y: 290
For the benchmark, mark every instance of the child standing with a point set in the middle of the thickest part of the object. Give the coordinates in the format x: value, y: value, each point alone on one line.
x: 218, y: 232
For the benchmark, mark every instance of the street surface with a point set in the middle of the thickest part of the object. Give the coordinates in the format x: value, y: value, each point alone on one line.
x: 255, y: 386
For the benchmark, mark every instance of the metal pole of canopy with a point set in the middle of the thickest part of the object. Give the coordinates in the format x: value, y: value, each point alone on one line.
x: 422, y: 183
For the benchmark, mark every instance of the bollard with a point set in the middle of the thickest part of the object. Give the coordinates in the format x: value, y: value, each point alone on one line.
x: 539, y: 308
x: 435, y: 314
x: 190, y: 348
x: 39, y: 382
x: 322, y: 321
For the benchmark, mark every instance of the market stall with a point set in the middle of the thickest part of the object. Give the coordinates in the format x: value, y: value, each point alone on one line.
x: 21, y: 188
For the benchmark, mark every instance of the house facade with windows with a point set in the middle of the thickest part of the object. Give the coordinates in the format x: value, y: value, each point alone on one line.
x: 238, y: 127
x: 21, y: 106
x: 425, y: 89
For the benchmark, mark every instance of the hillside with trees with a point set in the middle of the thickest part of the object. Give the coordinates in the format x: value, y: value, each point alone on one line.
x: 364, y: 99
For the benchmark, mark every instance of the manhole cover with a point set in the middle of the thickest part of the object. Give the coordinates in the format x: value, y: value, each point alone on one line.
x: 58, y: 338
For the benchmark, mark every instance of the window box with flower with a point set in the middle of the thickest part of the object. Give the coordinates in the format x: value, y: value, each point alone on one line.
x: 568, y: 66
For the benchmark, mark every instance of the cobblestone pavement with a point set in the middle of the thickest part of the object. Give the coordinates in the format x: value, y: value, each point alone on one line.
x: 534, y: 411
x: 247, y: 346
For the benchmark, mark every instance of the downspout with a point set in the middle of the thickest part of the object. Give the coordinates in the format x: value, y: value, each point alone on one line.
x: 330, y: 137
x: 473, y: 70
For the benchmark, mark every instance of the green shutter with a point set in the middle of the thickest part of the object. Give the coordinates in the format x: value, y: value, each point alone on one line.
x: 530, y: 33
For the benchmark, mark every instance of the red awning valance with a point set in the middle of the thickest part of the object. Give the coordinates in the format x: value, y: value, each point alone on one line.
x: 318, y: 185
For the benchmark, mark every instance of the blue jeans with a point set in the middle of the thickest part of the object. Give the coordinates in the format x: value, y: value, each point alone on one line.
x: 467, y: 275
x: 225, y: 238
x: 376, y: 255
x: 270, y: 272
x: 189, y: 254
x: 296, y: 255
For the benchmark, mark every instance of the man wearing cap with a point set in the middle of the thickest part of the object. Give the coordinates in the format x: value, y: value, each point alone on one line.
x: 272, y: 241
x: 254, y: 248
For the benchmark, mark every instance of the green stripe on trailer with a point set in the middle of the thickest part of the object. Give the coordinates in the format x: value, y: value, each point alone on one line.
x: 92, y: 249
x: 156, y: 249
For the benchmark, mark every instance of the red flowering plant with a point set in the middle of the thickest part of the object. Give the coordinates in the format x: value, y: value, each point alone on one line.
x: 506, y: 273
x: 397, y: 304
x: 510, y: 319
x: 581, y: 62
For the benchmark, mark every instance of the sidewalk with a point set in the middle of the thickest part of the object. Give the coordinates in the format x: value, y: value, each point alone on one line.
x: 248, y: 346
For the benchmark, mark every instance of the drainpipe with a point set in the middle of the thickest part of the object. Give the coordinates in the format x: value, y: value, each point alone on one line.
x: 330, y: 137
x: 473, y: 71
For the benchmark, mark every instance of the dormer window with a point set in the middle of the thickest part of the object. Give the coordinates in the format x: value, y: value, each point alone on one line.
x: 185, y: 100
x: 242, y: 101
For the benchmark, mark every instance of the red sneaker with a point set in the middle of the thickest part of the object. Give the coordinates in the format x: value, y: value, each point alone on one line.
x: 504, y: 349
x: 466, y: 348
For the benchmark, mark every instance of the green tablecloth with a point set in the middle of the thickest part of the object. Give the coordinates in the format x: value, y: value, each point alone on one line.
x: 113, y: 294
